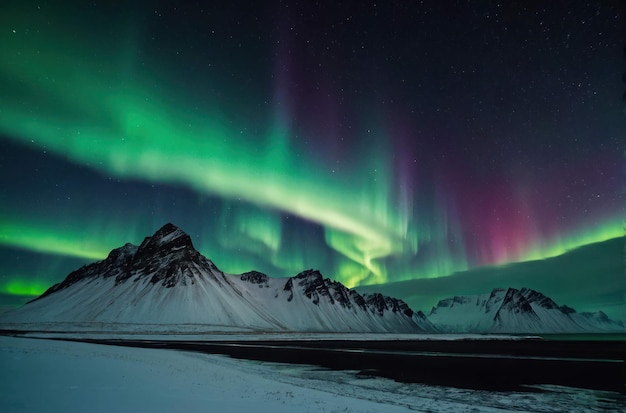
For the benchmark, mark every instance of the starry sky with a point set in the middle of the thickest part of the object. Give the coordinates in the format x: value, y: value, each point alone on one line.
x: 377, y: 141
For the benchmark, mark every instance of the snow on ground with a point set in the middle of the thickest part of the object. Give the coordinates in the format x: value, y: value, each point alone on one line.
x: 55, y: 376
x: 208, y: 332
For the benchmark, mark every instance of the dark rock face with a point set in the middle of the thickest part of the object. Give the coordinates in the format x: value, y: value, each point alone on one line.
x: 289, y: 288
x: 600, y: 316
x: 451, y: 302
x: 116, y: 264
x: 255, y: 277
x: 515, y: 302
x: 381, y: 303
x: 357, y: 298
x: 504, y: 300
x: 376, y: 301
x: 314, y: 285
x: 420, y: 315
x: 316, y: 288
x: 495, y: 299
x: 509, y: 300
x: 533, y: 296
x: 168, y: 257
x: 517, y: 310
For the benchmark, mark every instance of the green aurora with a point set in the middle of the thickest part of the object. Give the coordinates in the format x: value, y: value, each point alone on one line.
x: 263, y: 188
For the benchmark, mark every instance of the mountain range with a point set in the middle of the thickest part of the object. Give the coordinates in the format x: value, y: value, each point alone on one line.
x: 591, y: 276
x: 165, y: 280
x: 516, y: 311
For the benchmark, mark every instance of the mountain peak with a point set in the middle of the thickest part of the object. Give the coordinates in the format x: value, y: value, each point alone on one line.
x: 536, y: 297
x: 310, y: 274
x: 165, y: 280
x: 169, y: 232
x: 169, y: 236
x: 168, y: 228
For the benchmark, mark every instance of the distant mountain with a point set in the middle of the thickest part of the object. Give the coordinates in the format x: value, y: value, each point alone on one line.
x: 165, y: 280
x: 516, y: 311
x: 591, y: 276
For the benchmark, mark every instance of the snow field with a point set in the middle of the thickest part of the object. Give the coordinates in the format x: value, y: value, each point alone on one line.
x: 54, y: 376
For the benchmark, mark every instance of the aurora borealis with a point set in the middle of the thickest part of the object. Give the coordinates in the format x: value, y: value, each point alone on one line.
x: 377, y: 142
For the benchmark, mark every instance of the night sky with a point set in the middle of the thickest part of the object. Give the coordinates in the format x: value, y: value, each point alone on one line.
x: 376, y: 141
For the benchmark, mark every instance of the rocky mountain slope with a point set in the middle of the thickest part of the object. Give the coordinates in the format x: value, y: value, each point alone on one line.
x: 516, y: 311
x: 165, y: 280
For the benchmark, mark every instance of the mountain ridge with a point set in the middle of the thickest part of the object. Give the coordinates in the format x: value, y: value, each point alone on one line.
x: 166, y: 280
x: 511, y: 310
x: 565, y: 279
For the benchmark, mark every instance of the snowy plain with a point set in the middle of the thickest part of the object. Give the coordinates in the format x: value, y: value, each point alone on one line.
x: 205, y: 332
x: 41, y: 375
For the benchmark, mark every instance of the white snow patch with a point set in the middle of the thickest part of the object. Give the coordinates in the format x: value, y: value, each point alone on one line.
x: 49, y: 376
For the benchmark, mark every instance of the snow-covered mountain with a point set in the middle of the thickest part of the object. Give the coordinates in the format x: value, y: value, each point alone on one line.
x: 516, y: 311
x: 166, y: 280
